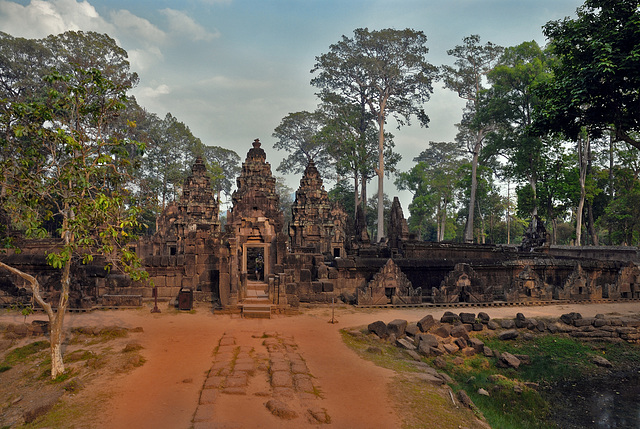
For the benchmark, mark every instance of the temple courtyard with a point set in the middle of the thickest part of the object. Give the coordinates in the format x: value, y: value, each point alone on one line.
x: 191, y: 361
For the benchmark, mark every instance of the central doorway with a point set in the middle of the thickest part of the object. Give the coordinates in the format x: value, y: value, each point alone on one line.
x: 256, y: 255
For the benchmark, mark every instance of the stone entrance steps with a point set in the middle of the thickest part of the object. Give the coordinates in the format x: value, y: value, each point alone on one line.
x: 256, y: 304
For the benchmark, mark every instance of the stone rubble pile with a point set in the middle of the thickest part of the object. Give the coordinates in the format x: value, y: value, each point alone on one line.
x: 452, y: 334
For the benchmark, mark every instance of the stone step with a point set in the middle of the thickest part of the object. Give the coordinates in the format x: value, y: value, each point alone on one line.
x: 256, y: 310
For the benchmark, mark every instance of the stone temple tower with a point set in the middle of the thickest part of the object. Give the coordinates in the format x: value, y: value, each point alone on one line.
x: 254, y: 225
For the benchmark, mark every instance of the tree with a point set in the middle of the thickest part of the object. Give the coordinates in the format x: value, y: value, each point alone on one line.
x: 511, y: 106
x: 596, y: 79
x: 298, y: 134
x: 350, y: 136
x: 223, y: 167
x: 79, y: 169
x: 473, y: 63
x: 385, y: 70
x: 433, y: 181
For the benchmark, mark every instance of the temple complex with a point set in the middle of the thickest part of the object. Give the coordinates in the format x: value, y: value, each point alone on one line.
x: 256, y: 265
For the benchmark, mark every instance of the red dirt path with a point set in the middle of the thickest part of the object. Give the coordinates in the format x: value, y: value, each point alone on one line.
x: 178, y: 348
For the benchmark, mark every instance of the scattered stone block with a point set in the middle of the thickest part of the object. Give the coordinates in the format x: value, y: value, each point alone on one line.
x: 467, y: 318
x: 412, y: 329
x: 510, y: 360
x: 569, y: 318
x: 318, y: 415
x: 493, y: 325
x: 379, y: 328
x: 465, y: 400
x: 459, y: 331
x: 476, y: 343
x: 405, y: 344
x: 449, y: 317
x: 510, y: 334
x: 397, y: 327
x: 443, y: 331
x: 428, y: 339
x: 450, y: 348
x: 507, y: 324
x: 426, y: 323
x: 483, y: 392
x: 280, y: 409
x: 484, y: 317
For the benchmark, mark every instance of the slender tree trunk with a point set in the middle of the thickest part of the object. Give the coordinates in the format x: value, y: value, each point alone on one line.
x: 610, y: 182
x: 55, y: 320
x: 582, y: 154
x: 468, y: 233
x: 363, y: 198
x: 481, y: 233
x: 380, y: 172
x: 355, y: 195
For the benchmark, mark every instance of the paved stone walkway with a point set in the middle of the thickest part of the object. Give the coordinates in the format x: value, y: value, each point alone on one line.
x: 268, y: 370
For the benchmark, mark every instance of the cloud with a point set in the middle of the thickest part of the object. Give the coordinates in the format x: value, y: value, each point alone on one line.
x: 40, y: 18
x: 137, y: 27
x: 143, y: 59
x: 224, y: 82
x: 149, y: 92
x: 181, y: 24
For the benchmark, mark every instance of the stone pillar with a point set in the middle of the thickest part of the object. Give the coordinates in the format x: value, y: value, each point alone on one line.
x: 233, y: 272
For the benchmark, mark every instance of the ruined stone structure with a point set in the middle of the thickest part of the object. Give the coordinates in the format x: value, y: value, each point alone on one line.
x: 254, y: 266
x: 317, y: 226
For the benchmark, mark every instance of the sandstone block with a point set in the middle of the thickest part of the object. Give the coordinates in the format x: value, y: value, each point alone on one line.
x: 426, y: 323
x: 397, y: 327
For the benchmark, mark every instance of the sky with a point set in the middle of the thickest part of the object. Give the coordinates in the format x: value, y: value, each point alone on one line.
x: 232, y: 69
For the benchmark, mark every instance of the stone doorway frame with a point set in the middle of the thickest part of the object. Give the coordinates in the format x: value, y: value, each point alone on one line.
x: 265, y: 254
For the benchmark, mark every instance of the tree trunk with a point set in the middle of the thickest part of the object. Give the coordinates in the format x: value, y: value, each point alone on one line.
x: 55, y: 320
x: 355, y: 195
x: 363, y: 198
x: 380, y: 172
x: 468, y: 233
x: 582, y: 154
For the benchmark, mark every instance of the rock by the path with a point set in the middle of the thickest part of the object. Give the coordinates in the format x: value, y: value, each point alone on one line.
x: 507, y: 324
x: 459, y: 331
x: 510, y: 360
x: 280, y: 409
x: 484, y: 317
x: 449, y: 317
x: 568, y: 318
x: 379, y: 328
x: 465, y: 400
x: 492, y: 325
x: 397, y: 327
x: 511, y: 334
x: 412, y: 329
x: 443, y: 331
x: 467, y: 317
x: 405, y: 344
x: 600, y: 361
x: 426, y: 323
x: 428, y: 339
x: 318, y: 415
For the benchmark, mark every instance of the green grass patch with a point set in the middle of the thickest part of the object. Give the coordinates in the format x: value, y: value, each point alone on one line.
x: 25, y: 353
x: 4, y: 368
x: 382, y: 354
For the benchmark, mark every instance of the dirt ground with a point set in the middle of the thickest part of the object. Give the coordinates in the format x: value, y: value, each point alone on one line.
x: 180, y: 352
